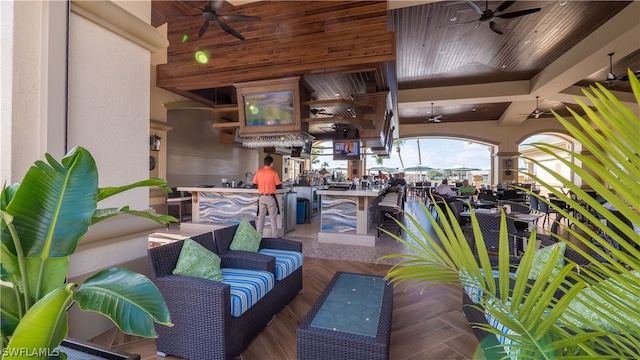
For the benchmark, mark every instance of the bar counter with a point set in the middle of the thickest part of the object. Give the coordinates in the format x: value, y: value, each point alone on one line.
x: 346, y: 216
x: 223, y: 206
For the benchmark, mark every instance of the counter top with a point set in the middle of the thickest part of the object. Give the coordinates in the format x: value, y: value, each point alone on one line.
x: 228, y: 190
x: 374, y: 192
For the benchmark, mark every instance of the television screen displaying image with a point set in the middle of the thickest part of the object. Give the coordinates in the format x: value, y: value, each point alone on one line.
x: 346, y: 149
x: 273, y: 108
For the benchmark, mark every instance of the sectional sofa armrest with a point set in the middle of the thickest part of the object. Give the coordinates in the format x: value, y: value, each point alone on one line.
x: 281, y: 244
x: 248, y: 260
x: 193, y: 293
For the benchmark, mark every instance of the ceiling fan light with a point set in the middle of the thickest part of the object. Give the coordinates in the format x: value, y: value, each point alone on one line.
x: 202, y: 57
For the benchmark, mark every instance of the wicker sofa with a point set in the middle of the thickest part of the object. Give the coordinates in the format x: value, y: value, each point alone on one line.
x: 201, y: 309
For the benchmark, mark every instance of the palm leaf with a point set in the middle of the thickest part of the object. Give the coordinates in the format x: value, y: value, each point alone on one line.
x: 129, y: 299
x: 540, y: 323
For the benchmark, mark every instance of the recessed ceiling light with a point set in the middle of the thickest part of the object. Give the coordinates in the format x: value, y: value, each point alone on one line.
x: 337, y: 94
x: 453, y: 19
x: 527, y: 42
x: 563, y: 3
x: 441, y: 52
x: 503, y: 66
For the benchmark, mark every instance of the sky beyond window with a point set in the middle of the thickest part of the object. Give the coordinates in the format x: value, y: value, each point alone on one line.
x: 435, y: 153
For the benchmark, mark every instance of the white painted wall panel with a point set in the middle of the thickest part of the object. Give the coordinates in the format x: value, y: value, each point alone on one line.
x: 109, y: 106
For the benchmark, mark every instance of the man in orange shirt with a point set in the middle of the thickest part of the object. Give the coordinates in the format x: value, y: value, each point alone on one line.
x: 267, y: 181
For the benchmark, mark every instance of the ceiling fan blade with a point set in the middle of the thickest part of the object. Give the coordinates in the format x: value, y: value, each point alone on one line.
x: 625, y: 77
x: 470, y: 31
x: 230, y: 30
x: 204, y: 28
x: 240, y: 17
x: 495, y: 27
x: 504, y: 6
x: 475, y: 7
x: 516, y: 14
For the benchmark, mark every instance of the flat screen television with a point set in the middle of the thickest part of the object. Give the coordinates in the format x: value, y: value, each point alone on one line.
x: 272, y: 108
x: 346, y: 149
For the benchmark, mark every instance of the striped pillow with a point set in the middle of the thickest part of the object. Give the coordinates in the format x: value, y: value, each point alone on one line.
x: 286, y: 261
x: 247, y: 287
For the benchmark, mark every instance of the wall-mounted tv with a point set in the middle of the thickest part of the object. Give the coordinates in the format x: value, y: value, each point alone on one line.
x: 346, y: 149
x: 271, y: 108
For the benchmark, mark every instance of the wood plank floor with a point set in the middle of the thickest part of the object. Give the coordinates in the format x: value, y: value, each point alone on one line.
x: 428, y: 325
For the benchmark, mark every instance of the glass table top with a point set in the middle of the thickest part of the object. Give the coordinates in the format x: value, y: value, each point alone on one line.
x: 353, y: 305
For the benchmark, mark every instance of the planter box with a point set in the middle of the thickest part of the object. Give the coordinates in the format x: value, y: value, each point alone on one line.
x: 81, y: 350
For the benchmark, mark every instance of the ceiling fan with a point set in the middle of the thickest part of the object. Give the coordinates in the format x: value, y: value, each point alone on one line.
x: 536, y: 113
x: 434, y: 118
x: 611, y: 77
x: 489, y: 15
x: 316, y: 111
x: 209, y: 12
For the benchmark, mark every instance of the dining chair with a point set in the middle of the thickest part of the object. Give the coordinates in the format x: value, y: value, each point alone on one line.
x: 544, y: 208
x: 534, y: 203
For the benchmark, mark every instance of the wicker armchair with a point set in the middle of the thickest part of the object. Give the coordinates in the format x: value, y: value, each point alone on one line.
x: 201, y: 309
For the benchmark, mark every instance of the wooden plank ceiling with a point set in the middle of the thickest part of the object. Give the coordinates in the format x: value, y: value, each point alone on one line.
x: 342, y: 48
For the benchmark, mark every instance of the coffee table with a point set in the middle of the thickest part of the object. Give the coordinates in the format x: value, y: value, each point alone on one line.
x: 350, y: 320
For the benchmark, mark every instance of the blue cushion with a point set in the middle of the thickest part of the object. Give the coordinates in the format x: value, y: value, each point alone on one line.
x: 505, y: 341
x: 247, y: 287
x: 470, y: 287
x: 286, y: 261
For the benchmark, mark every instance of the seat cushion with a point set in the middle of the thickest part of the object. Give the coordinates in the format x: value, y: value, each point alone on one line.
x: 247, y: 287
x: 286, y: 261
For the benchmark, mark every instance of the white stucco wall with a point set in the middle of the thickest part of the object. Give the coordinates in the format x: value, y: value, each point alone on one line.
x: 109, y: 106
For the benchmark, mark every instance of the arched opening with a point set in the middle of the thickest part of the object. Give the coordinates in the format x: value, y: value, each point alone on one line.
x: 546, y: 162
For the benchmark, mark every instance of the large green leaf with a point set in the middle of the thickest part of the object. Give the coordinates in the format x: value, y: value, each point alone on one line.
x: 129, y: 299
x: 54, y: 204
x: 49, y: 274
x: 44, y: 326
x: 10, y: 310
x: 103, y: 214
x: 110, y: 191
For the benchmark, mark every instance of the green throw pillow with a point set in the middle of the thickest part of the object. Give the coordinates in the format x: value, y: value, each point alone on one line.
x: 541, y: 257
x: 246, y: 238
x: 195, y: 260
x: 581, y: 311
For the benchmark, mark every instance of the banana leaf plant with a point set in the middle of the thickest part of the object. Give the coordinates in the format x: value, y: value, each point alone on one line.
x: 42, y: 220
x: 540, y: 325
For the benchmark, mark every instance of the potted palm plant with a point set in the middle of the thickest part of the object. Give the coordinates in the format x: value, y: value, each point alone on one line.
x: 597, y: 315
x: 42, y: 220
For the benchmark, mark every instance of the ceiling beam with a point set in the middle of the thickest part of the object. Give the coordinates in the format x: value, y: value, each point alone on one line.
x: 465, y: 94
x: 618, y: 35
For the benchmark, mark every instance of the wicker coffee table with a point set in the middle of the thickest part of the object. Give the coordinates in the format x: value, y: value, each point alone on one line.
x: 351, y: 320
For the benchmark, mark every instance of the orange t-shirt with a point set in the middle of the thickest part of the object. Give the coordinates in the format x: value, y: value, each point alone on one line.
x: 266, y: 179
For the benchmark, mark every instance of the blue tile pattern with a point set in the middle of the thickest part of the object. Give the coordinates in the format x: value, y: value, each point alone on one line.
x: 339, y: 214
